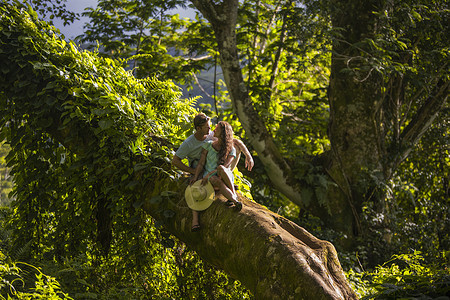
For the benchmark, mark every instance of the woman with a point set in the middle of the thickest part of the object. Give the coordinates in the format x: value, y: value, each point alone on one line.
x: 214, y: 162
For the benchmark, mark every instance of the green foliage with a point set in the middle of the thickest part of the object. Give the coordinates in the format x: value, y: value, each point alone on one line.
x: 285, y: 61
x: 288, y: 92
x: 421, y: 191
x: 405, y: 276
x: 77, y: 190
x: 5, y: 178
x: 286, y: 74
x: 168, y: 273
x: 24, y: 281
x: 86, y: 179
x: 415, y: 214
x: 50, y: 9
x: 152, y: 41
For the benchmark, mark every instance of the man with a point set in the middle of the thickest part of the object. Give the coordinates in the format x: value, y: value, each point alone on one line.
x: 191, y: 148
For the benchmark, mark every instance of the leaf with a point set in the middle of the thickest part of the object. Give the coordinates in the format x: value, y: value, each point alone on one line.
x: 168, y: 213
x: 105, y: 124
x: 132, y: 184
x: 138, y: 204
x: 306, y: 194
x: 168, y: 193
x: 323, y: 181
x: 140, y: 166
x: 156, y: 199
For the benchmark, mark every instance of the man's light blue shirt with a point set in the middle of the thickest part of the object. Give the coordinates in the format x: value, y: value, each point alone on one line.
x: 191, y: 149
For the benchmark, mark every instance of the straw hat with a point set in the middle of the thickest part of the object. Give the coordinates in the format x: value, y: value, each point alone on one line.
x: 199, y: 197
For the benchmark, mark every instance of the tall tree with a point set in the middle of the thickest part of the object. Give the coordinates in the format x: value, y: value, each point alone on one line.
x: 151, y: 40
x: 387, y: 84
x: 50, y: 10
x: 90, y: 146
x: 377, y: 93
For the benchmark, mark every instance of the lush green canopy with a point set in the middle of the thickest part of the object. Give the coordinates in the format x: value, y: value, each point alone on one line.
x: 90, y: 145
x: 336, y: 99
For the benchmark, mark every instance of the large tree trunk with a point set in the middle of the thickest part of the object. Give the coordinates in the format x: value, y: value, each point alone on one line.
x: 270, y: 255
x: 354, y: 128
x: 273, y: 257
x: 362, y: 155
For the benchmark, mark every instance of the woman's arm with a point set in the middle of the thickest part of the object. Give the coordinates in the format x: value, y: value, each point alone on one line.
x: 228, y: 161
x: 206, y: 177
x: 240, y: 147
x: 200, y: 166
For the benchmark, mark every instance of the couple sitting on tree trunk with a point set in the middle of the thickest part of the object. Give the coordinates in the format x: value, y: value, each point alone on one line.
x: 212, y: 155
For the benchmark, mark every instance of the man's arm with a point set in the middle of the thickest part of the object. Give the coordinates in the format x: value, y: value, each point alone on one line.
x: 177, y: 162
x: 240, y: 147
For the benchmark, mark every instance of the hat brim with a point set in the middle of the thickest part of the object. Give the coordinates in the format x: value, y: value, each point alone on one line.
x: 199, y: 205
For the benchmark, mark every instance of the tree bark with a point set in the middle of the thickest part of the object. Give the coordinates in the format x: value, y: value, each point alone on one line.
x: 360, y: 159
x: 353, y: 128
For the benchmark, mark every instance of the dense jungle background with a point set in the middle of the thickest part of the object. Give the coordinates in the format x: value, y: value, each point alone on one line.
x: 343, y: 105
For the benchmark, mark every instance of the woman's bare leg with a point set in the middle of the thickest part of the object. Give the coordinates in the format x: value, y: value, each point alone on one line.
x: 226, y: 191
x: 226, y: 178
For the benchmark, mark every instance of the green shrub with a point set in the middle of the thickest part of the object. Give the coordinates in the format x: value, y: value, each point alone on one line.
x: 405, y: 276
x: 27, y: 282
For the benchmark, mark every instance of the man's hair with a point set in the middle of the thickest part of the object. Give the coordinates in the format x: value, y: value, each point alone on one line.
x: 200, y: 120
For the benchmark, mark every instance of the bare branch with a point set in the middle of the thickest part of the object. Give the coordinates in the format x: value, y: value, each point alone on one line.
x: 200, y: 86
x: 421, y: 121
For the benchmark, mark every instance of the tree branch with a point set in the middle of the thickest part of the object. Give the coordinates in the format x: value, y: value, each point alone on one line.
x: 421, y: 122
x: 278, y: 55
x: 209, y: 10
x: 200, y: 86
